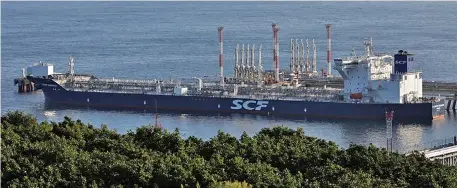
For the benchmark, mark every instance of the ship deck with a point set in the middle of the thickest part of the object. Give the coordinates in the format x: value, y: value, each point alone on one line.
x: 208, y: 88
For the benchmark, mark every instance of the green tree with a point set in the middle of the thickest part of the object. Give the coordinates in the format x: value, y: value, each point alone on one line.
x: 73, y: 154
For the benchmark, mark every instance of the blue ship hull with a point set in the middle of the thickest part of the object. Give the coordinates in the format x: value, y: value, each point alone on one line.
x: 416, y: 112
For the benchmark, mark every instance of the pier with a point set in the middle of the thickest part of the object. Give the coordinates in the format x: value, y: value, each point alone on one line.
x: 446, y: 156
x: 443, y: 151
x: 23, y: 84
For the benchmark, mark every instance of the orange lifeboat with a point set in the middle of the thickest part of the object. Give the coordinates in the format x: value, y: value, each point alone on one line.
x: 355, y: 96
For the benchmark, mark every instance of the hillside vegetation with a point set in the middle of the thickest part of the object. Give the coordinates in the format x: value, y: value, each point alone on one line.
x: 73, y: 154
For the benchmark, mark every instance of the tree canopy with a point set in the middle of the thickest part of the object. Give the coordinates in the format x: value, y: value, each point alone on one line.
x: 73, y: 154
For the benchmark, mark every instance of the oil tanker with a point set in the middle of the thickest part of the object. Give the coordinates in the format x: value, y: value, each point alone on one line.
x: 373, y: 85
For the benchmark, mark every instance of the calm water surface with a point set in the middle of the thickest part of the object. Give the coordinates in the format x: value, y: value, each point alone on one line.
x: 179, y: 39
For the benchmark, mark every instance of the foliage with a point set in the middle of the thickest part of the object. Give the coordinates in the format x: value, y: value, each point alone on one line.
x: 73, y: 154
x: 228, y: 184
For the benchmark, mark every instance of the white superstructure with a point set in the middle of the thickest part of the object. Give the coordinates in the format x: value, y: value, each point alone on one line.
x: 40, y: 69
x: 379, y: 78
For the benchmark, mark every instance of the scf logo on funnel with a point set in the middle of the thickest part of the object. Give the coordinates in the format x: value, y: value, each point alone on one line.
x: 400, y: 62
x: 248, y: 105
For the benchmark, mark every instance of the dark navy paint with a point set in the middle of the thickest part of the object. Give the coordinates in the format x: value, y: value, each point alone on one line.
x: 419, y: 112
x: 401, y: 63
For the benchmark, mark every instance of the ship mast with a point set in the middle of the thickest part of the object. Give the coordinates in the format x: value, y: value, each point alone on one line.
x: 369, y: 47
x: 71, y: 71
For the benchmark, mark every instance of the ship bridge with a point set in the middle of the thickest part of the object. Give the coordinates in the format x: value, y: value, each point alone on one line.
x: 378, y: 77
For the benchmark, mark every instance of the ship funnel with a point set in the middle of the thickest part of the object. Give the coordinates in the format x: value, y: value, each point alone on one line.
x: 401, y: 61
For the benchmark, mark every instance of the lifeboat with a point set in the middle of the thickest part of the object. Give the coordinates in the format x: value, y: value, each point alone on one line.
x: 355, y: 96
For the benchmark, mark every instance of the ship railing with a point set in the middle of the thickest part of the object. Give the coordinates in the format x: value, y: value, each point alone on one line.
x: 125, y: 81
x: 312, y: 93
x: 252, y: 96
x: 137, y: 83
x: 148, y: 81
x: 145, y: 83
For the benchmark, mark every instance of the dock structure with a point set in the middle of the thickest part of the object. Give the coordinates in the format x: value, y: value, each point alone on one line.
x: 452, y: 103
x: 302, y: 65
x: 23, y: 84
x: 446, y: 156
x: 248, y: 71
x: 443, y: 151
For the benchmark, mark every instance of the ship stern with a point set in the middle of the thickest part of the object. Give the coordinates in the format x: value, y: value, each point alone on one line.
x: 438, y: 108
